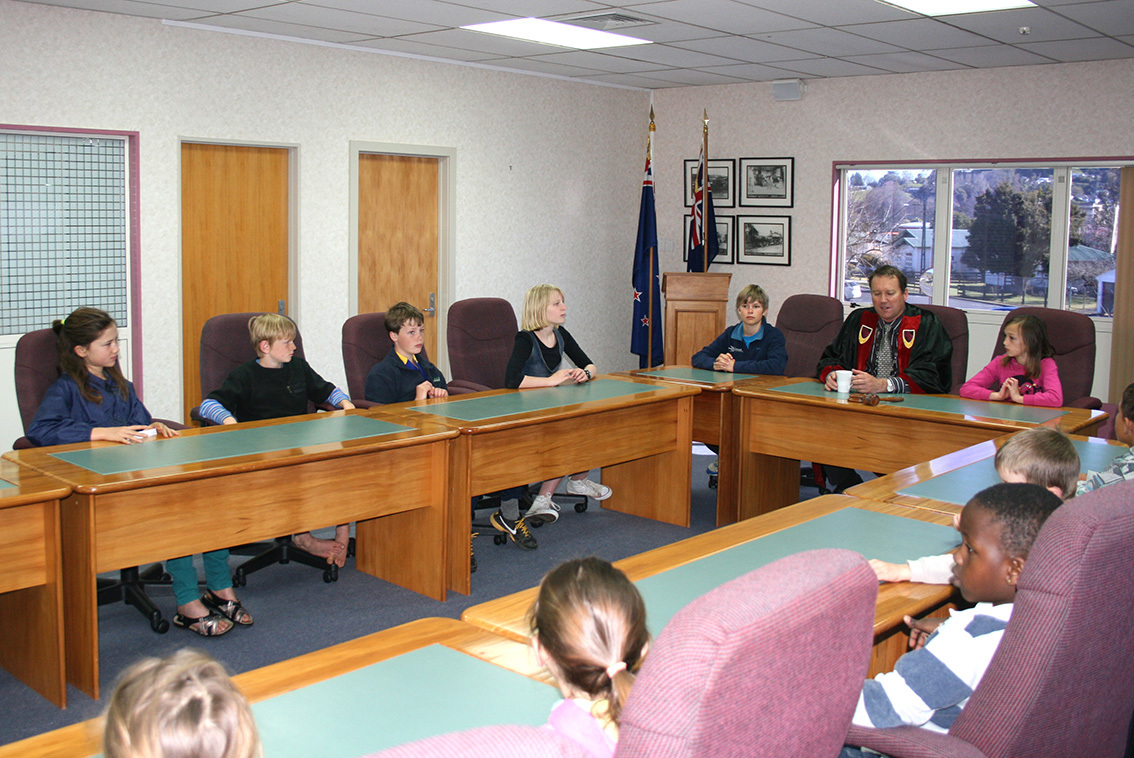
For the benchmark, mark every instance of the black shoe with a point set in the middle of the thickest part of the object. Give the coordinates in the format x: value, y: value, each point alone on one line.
x: 517, y: 531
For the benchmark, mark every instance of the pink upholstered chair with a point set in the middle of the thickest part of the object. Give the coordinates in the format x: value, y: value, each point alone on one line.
x: 956, y: 325
x: 768, y: 664
x: 490, y: 742
x: 481, y: 333
x: 809, y: 324
x: 1061, y: 681
x: 1073, y: 337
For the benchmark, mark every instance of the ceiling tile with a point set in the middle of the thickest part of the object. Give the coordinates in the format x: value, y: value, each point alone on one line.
x: 918, y: 34
x: 364, y: 24
x: 440, y: 14
x: 742, y: 49
x: 213, y: 6
x: 482, y: 42
x: 1097, y: 49
x: 991, y: 56
x: 829, y: 67
x: 130, y: 8
x: 723, y: 15
x: 752, y: 72
x: 541, y: 66
x: 905, y: 63
x: 632, y: 80
x: 1113, y: 17
x: 411, y: 47
x: 267, y: 26
x: 829, y: 42
x: 536, y: 8
x: 829, y: 13
x: 1004, y: 26
x: 669, y: 56
x: 602, y: 61
x: 693, y: 77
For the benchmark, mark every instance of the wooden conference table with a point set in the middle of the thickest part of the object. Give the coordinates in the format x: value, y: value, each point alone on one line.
x: 31, y: 589
x: 638, y: 431
x: 786, y: 420
x: 945, y: 484
x: 670, y: 577
x: 414, y: 681
x: 714, y: 420
x: 222, y: 486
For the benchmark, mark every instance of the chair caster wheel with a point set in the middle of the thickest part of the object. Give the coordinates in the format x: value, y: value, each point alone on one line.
x: 499, y: 539
x: 536, y: 524
x: 580, y: 507
x: 331, y: 574
x: 159, y: 625
x: 239, y: 579
x: 712, y: 482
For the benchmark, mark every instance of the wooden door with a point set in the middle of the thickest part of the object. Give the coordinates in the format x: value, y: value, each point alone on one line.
x: 234, y: 240
x: 398, y: 235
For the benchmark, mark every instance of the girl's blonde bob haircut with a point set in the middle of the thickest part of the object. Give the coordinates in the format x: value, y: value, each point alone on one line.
x: 535, y: 306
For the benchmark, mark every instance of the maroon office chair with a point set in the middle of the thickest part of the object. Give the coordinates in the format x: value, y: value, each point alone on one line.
x: 1073, y: 337
x: 365, y: 344
x: 490, y: 742
x: 809, y: 324
x: 956, y: 325
x: 225, y: 344
x: 767, y: 664
x: 481, y: 333
x: 1060, y: 682
x: 37, y: 368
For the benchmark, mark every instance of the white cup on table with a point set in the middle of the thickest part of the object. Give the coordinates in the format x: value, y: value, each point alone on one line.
x: 843, y: 378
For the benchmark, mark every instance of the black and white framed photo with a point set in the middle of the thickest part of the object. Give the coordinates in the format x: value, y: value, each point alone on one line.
x: 764, y: 240
x: 768, y: 182
x: 725, y: 240
x: 722, y: 178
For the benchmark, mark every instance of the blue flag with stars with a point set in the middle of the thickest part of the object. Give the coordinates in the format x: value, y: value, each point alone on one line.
x: 703, y: 244
x: 646, y: 277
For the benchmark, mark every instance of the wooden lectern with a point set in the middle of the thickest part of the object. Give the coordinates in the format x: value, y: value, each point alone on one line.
x: 696, y: 311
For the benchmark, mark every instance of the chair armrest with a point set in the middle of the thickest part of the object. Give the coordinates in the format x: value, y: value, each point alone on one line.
x: 464, y: 387
x: 911, y: 742
x: 23, y: 443
x: 1090, y: 403
x: 360, y: 403
x: 172, y: 424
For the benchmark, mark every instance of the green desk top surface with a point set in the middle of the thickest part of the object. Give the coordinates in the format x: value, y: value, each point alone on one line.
x: 695, y: 375
x: 5, y: 485
x: 523, y: 401
x: 960, y: 485
x: 874, y: 535
x: 957, y: 405
x: 231, y: 443
x: 423, y: 693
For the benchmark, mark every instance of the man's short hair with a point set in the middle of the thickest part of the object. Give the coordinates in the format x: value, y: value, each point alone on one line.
x: 401, y: 314
x: 752, y: 292
x: 893, y: 271
x: 1043, y: 456
x: 270, y: 327
x: 1020, y: 509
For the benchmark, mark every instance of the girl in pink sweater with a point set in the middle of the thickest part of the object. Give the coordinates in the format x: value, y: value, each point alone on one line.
x: 1026, y: 373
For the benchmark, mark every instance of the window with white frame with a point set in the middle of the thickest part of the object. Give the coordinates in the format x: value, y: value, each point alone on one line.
x: 64, y: 238
x: 983, y: 236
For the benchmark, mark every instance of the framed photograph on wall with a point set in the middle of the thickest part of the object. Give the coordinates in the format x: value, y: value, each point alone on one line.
x: 725, y: 240
x: 722, y: 179
x: 764, y: 240
x: 767, y: 182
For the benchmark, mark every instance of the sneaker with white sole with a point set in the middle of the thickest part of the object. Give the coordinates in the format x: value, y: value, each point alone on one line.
x: 544, y: 510
x: 712, y: 469
x: 588, y: 488
x: 517, y: 531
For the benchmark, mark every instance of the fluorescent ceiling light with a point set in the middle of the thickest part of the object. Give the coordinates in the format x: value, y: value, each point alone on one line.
x: 555, y: 33
x: 954, y: 7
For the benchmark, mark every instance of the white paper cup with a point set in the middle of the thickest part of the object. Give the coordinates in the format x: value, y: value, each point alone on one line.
x: 843, y: 378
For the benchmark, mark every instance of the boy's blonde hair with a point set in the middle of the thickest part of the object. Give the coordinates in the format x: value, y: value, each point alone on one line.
x: 270, y: 327
x: 536, y: 301
x: 1043, y: 456
x: 752, y: 292
x: 182, y: 706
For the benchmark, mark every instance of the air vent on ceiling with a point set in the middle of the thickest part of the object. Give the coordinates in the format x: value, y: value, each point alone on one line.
x: 607, y: 21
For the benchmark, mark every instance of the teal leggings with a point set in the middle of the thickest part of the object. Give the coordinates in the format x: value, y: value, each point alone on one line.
x: 217, y: 575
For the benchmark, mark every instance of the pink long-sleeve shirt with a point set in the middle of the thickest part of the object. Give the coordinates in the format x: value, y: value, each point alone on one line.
x: 1044, y: 390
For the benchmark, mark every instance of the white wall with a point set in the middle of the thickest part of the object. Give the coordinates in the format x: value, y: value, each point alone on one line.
x: 1056, y: 111
x: 548, y: 171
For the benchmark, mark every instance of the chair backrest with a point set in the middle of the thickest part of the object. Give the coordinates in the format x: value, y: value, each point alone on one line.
x: 365, y: 343
x: 490, y: 742
x: 37, y: 368
x: 1073, y: 337
x: 481, y: 333
x: 956, y: 325
x: 772, y: 662
x: 1061, y: 679
x: 225, y: 344
x: 809, y: 324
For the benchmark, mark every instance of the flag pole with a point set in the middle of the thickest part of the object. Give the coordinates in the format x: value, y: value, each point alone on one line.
x: 705, y: 192
x: 651, y: 253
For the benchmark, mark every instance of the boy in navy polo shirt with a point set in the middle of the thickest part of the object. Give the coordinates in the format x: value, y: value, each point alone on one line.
x: 404, y: 374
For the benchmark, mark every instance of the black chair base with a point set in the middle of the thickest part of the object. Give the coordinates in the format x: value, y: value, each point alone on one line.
x: 130, y: 587
x: 282, y: 550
